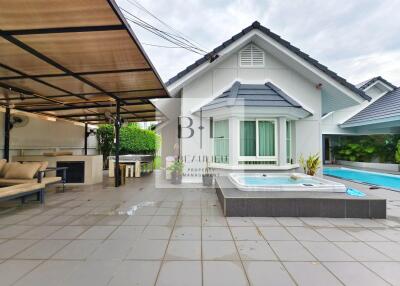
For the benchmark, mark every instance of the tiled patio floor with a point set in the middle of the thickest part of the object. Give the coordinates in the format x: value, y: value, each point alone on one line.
x: 139, y: 235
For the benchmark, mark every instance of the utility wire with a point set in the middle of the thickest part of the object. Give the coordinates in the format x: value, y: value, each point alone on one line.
x: 159, y: 32
x: 181, y: 35
x: 162, y: 35
x: 176, y: 40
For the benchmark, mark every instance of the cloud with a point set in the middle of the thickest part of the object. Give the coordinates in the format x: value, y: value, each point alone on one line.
x: 356, y: 39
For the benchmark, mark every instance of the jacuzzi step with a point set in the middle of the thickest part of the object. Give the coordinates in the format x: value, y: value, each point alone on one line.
x: 235, y: 202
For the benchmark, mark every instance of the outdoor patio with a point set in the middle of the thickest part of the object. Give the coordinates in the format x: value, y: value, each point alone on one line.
x: 139, y: 235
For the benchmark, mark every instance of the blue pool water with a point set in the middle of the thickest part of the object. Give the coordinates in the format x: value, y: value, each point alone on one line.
x: 383, y: 180
x: 355, y: 193
x: 276, y: 181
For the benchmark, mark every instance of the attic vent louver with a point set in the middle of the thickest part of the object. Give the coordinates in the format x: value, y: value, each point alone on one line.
x: 251, y: 56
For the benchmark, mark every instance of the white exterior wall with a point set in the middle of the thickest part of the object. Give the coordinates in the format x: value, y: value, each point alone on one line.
x: 307, y: 137
x: 41, y: 135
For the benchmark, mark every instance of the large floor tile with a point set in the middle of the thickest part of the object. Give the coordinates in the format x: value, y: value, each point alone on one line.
x: 127, y: 232
x: 335, y: 234
x: 68, y: 232
x: 262, y: 273
x: 39, y: 232
x: 44, y: 249
x: 326, y: 251
x: 224, y: 273
x: 148, y: 250
x: 364, y: 234
x: 138, y: 273
x: 390, y: 249
x: 362, y: 252
x: 157, y: 232
x: 183, y: 250
x: 246, y: 233
x: 186, y: 233
x: 239, y: 221
x: 305, y: 234
x: 219, y: 250
x: 180, y: 273
x: 255, y: 250
x: 78, y: 249
x: 291, y: 251
x: 12, y: 231
x: 389, y: 271
x: 276, y: 233
x: 12, y: 247
x: 12, y: 270
x: 49, y: 273
x: 216, y: 233
x: 138, y: 220
x: 310, y: 274
x: 163, y: 220
x: 354, y: 274
x: 97, y: 232
x: 112, y: 249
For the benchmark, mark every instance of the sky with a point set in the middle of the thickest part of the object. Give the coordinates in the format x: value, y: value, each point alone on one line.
x: 358, y: 39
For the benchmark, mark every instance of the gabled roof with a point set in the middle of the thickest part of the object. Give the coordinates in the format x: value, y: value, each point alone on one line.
x: 381, y: 110
x: 255, y: 95
x: 363, y: 85
x: 211, y: 56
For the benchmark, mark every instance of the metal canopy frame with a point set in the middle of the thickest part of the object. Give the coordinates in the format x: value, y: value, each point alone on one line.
x: 76, y: 60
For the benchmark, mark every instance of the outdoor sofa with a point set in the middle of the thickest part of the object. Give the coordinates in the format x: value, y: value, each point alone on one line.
x: 20, y: 179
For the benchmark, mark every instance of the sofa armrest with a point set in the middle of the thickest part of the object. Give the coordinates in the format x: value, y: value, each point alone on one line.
x: 40, y: 174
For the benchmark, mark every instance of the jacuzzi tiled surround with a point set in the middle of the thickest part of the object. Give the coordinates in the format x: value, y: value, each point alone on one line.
x: 291, y: 204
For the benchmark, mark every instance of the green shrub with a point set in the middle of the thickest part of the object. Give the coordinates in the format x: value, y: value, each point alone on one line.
x: 133, y: 140
x: 367, y: 148
x: 397, y: 154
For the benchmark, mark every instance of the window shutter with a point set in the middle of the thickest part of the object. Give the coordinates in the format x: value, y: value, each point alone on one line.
x: 251, y: 56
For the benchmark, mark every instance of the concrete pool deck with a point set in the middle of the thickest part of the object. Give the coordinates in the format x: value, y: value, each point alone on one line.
x: 179, y: 237
x: 235, y: 202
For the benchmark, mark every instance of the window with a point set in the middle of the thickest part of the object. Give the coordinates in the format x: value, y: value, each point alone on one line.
x: 288, y: 142
x: 258, y: 138
x: 251, y: 56
x: 221, y: 141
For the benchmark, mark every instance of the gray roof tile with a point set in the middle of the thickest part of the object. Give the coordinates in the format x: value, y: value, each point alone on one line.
x: 256, y: 25
x: 386, y: 106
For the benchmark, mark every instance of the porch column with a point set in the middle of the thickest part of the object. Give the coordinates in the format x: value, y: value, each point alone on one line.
x: 282, y: 141
x: 234, y: 141
x: 7, y: 126
x: 117, y: 125
x: 86, y: 138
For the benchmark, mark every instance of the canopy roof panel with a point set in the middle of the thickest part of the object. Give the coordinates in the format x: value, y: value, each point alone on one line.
x: 72, y: 59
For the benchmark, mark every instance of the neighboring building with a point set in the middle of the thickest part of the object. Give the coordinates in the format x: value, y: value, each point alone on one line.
x: 380, y: 115
x: 254, y: 103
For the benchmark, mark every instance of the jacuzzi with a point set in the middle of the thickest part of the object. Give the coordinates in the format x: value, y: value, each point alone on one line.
x: 294, y: 182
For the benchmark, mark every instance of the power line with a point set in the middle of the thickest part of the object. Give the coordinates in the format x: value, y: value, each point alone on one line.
x: 179, y: 41
x: 182, y: 36
x: 166, y: 36
x: 161, y: 46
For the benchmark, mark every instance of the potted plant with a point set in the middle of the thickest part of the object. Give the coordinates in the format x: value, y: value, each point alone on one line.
x: 207, y: 176
x: 311, y: 164
x: 397, y: 154
x: 176, y: 172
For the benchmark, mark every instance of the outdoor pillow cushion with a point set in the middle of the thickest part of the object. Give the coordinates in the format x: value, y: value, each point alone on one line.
x: 2, y: 163
x: 22, y: 171
x: 5, y: 168
x: 43, y: 165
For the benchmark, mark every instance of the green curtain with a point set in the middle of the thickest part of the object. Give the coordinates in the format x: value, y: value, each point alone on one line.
x: 221, y: 141
x: 266, y: 138
x: 247, y: 138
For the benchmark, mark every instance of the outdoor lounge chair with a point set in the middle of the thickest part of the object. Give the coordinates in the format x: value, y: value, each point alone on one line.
x: 22, y: 191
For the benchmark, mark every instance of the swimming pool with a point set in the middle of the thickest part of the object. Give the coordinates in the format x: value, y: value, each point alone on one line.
x: 366, y: 177
x: 283, y: 182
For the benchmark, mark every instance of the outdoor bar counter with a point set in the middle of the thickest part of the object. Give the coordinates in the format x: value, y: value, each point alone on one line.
x: 82, y: 169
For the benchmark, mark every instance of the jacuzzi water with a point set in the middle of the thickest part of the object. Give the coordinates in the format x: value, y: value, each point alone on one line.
x: 372, y: 178
x: 283, y: 182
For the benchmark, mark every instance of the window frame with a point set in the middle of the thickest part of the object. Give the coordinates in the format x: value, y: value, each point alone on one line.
x: 258, y: 157
x: 228, y: 139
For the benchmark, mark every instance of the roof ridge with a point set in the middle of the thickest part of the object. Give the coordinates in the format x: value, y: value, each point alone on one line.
x: 211, y: 56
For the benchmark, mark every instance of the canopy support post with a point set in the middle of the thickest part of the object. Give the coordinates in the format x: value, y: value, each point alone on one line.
x: 117, y: 125
x: 7, y: 127
x: 86, y: 138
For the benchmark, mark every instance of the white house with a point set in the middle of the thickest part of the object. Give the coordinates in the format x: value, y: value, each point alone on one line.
x: 380, y: 115
x: 254, y: 103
